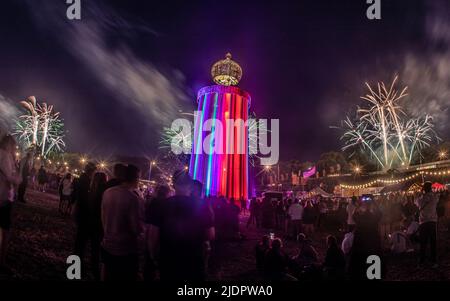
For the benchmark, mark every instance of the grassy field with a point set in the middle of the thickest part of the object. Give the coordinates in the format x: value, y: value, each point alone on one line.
x: 42, y: 239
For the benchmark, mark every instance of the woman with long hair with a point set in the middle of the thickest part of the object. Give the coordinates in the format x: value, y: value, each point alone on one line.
x: 9, y: 180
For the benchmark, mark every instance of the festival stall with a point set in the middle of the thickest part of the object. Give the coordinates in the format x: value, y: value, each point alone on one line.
x: 416, y: 187
x: 438, y: 186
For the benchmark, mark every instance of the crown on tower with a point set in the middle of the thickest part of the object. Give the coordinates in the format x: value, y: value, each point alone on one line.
x: 226, y: 72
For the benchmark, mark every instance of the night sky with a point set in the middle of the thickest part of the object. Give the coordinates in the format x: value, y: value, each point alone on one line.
x: 126, y: 69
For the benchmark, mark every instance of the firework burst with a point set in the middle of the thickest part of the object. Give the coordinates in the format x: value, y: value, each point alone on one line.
x: 178, y: 143
x: 40, y: 127
x: 384, y: 130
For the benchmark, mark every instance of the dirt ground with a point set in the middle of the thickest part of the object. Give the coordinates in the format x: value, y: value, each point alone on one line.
x: 42, y: 239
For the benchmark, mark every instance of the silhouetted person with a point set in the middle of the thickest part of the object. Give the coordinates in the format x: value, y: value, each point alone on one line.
x: 440, y: 209
x: 95, y: 230
x: 366, y: 240
x: 154, y: 206
x: 9, y: 180
x: 42, y: 178
x: 82, y: 187
x: 153, y: 209
x: 122, y: 220
x: 65, y: 190
x: 233, y: 211
x: 334, y: 264
x: 221, y: 221
x: 351, y: 209
x: 322, y: 213
x: 280, y: 214
x: 119, y: 171
x: 307, y: 254
x: 295, y: 212
x: 25, y: 169
x: 243, y: 202
x: 409, y: 208
x: 341, y: 216
x: 276, y: 262
x: 267, y: 213
x: 253, y: 212
x: 205, y: 205
x: 309, y: 218
x: 428, y: 220
x: 180, y: 231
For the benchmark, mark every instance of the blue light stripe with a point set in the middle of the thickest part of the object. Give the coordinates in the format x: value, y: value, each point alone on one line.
x: 199, y: 138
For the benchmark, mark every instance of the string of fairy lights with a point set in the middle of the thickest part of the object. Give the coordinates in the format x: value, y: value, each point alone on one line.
x: 66, y: 167
x: 442, y: 172
x: 76, y: 165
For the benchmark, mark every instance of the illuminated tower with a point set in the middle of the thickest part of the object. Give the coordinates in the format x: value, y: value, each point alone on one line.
x: 224, y: 169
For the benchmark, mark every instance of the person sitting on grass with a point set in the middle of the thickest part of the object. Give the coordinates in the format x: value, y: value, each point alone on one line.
x: 276, y: 263
x: 305, y: 263
x: 334, y: 264
x: 307, y: 255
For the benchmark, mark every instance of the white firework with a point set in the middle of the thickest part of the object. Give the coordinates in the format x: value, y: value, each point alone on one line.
x: 384, y: 130
x: 40, y: 127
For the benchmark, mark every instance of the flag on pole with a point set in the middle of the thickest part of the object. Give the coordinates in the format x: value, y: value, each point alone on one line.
x: 310, y: 172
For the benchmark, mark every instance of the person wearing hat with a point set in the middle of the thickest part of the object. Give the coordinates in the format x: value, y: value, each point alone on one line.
x: 427, y: 204
x: 179, y: 231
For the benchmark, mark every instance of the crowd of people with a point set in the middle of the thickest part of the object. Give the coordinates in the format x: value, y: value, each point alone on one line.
x: 274, y: 264
x: 125, y: 230
x: 394, y: 223
x: 132, y: 235
x: 174, y: 234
